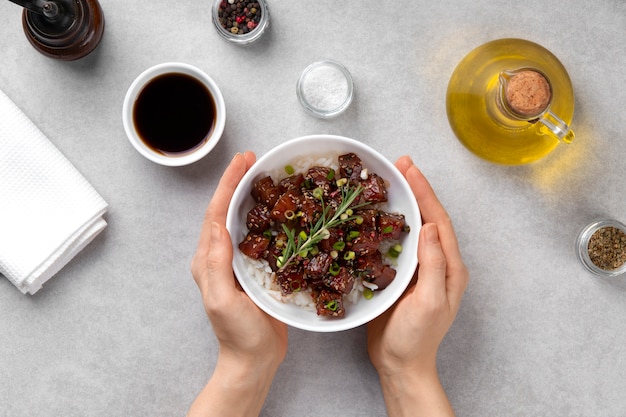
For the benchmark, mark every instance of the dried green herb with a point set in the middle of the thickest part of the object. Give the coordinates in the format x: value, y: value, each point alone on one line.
x: 607, y: 248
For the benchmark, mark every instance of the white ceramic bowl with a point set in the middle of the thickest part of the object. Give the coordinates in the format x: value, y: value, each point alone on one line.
x: 401, y: 200
x: 184, y: 158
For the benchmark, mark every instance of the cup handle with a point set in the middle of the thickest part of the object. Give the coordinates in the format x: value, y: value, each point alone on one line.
x: 557, y: 126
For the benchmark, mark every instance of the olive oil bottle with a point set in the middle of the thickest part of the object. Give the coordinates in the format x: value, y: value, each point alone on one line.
x: 487, y: 117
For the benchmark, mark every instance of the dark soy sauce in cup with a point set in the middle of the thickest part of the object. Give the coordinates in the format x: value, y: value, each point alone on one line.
x: 174, y: 113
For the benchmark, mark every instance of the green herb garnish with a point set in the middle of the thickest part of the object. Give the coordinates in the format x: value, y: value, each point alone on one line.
x: 368, y: 293
x: 395, y: 251
x: 332, y: 305
x: 301, y: 243
x: 339, y: 245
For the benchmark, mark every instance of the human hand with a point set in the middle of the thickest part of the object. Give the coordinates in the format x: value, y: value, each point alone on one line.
x: 251, y: 344
x: 403, y: 342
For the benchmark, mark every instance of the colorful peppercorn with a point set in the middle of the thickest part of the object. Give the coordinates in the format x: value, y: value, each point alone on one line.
x: 239, y: 16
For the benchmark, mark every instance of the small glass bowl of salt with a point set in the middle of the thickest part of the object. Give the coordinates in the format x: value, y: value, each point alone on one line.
x: 325, y: 89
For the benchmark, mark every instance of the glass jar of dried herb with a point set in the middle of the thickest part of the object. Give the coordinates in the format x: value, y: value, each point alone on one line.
x: 601, y: 247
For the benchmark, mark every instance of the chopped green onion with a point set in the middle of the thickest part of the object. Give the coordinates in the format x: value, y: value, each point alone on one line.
x: 330, y: 175
x: 353, y: 234
x: 349, y: 212
x: 332, y: 305
x: 267, y: 233
x: 388, y: 229
x: 348, y: 256
x: 342, y: 181
x: 314, y: 250
x: 289, y: 214
x: 395, y: 251
x: 334, y: 254
x: 339, y: 245
x: 344, y: 216
x: 325, y: 234
x: 318, y: 193
x: 334, y: 269
x: 279, y: 261
x: 302, y: 235
x: 303, y: 254
x: 297, y: 287
x: 358, y: 220
x: 368, y: 294
x: 289, y: 169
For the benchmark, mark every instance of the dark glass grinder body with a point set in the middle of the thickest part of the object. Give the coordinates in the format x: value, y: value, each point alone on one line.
x: 73, y: 34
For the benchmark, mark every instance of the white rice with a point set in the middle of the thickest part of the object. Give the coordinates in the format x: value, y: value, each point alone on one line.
x: 262, y: 273
x: 302, y: 166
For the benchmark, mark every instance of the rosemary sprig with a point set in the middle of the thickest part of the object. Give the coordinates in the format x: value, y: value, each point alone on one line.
x: 302, y: 243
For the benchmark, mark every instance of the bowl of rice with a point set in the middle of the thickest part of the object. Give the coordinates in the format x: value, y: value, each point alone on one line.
x: 258, y: 279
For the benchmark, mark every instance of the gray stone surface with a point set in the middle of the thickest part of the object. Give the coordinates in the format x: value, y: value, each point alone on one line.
x: 121, y: 330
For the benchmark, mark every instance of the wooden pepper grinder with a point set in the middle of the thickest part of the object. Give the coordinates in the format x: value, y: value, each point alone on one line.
x: 63, y: 29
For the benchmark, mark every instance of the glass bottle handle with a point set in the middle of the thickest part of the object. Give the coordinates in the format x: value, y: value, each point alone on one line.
x: 557, y: 126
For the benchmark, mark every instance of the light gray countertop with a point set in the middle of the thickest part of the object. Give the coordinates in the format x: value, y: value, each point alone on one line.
x: 121, y: 330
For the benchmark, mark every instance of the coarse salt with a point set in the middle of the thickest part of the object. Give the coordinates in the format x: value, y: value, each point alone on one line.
x: 325, y: 88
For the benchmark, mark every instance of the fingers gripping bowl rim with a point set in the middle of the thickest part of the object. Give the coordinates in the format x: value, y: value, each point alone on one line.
x: 401, y: 200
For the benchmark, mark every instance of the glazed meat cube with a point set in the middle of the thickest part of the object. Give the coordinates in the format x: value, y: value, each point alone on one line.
x: 350, y: 166
x: 329, y: 303
x: 390, y: 226
x: 326, y: 245
x: 254, y: 245
x: 374, y: 189
x: 310, y: 208
x: 290, y: 279
x: 291, y: 183
x: 342, y: 282
x: 369, y: 217
x: 366, y: 243
x: 373, y: 270
x: 332, y: 201
x: 265, y: 192
x: 286, y: 206
x: 319, y: 176
x: 368, y: 266
x: 259, y: 219
x: 316, y: 284
x: 275, y: 250
x: 272, y: 254
x: 387, y: 274
x: 318, y: 265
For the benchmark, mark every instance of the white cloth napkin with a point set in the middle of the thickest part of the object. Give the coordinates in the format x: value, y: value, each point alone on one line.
x: 48, y: 211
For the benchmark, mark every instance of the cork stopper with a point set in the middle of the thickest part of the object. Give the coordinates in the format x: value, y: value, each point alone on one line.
x: 528, y: 93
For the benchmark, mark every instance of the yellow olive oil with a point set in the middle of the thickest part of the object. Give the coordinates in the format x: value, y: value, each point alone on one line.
x: 476, y: 117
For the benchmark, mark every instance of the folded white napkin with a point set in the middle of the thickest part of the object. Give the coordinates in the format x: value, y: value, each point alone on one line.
x: 48, y: 211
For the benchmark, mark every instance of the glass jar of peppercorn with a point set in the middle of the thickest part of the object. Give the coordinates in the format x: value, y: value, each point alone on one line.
x: 601, y: 247
x: 240, y: 21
